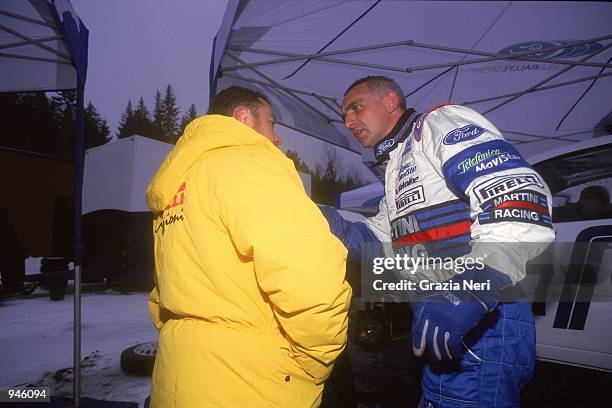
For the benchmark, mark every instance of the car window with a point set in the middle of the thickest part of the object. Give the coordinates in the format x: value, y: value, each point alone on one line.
x: 576, y: 168
x: 581, y: 184
x: 589, y: 201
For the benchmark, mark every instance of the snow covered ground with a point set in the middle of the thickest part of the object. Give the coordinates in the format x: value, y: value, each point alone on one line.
x: 36, y: 348
x: 36, y: 343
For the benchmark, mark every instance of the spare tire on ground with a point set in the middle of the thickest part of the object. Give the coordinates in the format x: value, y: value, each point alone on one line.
x: 139, y: 359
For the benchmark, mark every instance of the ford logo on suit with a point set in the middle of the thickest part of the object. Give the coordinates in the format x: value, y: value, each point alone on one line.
x: 462, y: 134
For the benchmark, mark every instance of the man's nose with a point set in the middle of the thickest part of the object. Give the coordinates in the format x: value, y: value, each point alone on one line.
x: 278, y: 140
x: 349, y: 122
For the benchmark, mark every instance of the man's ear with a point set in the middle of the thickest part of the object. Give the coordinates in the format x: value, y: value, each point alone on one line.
x: 243, y: 114
x: 391, y: 101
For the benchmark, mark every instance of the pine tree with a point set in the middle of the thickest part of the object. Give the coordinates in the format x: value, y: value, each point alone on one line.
x: 66, y: 129
x: 105, y: 130
x: 38, y: 128
x: 142, y: 119
x: 166, y: 117
x: 332, y: 171
x: 329, y: 180
x: 46, y: 125
x: 158, y: 118
x: 96, y: 131
x: 298, y: 162
x: 188, y: 117
x: 171, y: 116
x: 63, y: 105
x: 8, y: 117
x: 126, y: 125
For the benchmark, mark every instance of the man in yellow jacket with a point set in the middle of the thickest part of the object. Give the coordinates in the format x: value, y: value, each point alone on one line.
x: 250, y: 296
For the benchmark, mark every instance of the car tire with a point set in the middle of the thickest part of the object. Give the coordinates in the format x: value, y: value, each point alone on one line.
x: 139, y: 359
x: 372, y: 333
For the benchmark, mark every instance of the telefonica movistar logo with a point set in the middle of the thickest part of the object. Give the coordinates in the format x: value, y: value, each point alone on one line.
x: 568, y: 49
x: 478, y: 158
x: 465, y: 133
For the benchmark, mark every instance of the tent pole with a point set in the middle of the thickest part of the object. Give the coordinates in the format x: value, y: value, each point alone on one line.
x: 267, y: 78
x: 78, y: 191
x: 22, y: 57
x: 26, y: 18
x: 277, y: 86
x: 34, y: 42
x: 538, y: 89
x: 38, y: 40
x: 544, y: 81
x: 491, y: 56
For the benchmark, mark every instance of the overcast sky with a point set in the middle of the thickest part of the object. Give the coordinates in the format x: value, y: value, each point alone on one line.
x: 138, y: 46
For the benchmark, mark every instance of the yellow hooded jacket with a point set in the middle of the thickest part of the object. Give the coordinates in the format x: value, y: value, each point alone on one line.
x: 250, y: 295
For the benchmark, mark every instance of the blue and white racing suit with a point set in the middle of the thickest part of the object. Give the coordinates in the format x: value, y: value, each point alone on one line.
x: 452, y: 182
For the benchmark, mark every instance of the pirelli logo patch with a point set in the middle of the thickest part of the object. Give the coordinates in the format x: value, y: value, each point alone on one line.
x: 525, y: 206
x: 504, y: 184
x: 409, y: 198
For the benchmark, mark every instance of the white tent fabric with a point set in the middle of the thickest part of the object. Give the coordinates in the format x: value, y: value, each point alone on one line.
x: 41, y: 46
x: 540, y: 71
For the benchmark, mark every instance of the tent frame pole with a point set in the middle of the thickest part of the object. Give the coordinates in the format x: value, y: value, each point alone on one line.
x: 524, y: 56
x: 40, y: 40
x: 320, y: 98
x: 34, y: 42
x: 278, y: 86
x: 538, y: 138
x: 542, y: 82
x: 79, y: 148
x: 292, y: 94
x: 55, y: 61
x: 25, y: 18
x: 493, y: 57
x: 313, y: 135
x: 537, y: 89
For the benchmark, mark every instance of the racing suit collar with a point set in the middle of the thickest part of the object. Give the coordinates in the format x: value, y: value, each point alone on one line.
x: 398, y: 134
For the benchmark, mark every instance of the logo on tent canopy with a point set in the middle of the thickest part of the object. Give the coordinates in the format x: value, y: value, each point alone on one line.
x: 564, y: 49
x: 568, y: 49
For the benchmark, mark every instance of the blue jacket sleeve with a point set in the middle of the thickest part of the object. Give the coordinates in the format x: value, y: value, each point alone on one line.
x: 352, y: 234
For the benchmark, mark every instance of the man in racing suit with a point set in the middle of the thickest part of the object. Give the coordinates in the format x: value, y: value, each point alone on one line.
x: 452, y: 183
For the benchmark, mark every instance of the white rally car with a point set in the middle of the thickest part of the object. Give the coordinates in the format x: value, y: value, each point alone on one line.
x: 578, y: 330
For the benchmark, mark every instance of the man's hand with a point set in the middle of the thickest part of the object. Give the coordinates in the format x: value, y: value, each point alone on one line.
x: 442, y: 318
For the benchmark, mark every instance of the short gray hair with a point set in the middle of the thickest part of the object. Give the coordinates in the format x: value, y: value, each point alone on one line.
x: 381, y: 85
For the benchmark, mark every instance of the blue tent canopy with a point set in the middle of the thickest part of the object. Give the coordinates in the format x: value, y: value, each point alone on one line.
x: 43, y: 47
x: 539, y: 70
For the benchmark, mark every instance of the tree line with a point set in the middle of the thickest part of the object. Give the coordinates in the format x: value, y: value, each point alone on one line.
x: 35, y: 122
x: 44, y: 123
x: 162, y: 125
x: 329, y: 179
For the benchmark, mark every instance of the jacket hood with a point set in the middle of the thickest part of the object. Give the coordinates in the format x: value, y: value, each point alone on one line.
x: 202, y: 135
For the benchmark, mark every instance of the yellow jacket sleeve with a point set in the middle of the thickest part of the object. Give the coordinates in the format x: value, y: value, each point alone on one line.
x: 299, y: 264
x: 155, y: 308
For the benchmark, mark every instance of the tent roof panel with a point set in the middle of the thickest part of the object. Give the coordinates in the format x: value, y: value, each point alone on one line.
x: 444, y: 31
x: 43, y: 45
